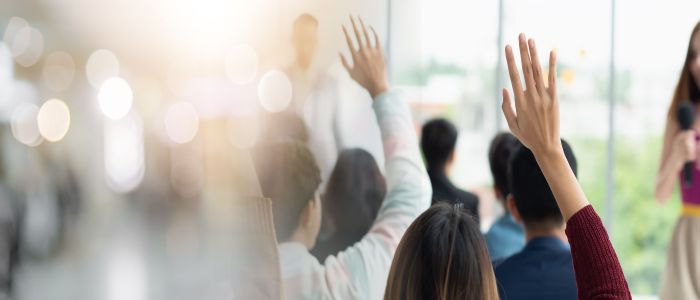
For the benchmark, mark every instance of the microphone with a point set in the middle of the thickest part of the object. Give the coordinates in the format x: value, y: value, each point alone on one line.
x: 686, y: 117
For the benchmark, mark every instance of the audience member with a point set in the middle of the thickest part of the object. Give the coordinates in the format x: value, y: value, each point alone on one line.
x: 505, y: 237
x: 290, y: 177
x: 451, y: 276
x: 354, y: 193
x: 438, y: 140
x: 543, y: 269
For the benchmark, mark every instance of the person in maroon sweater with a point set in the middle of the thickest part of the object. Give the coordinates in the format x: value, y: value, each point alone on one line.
x: 534, y: 120
x: 443, y: 256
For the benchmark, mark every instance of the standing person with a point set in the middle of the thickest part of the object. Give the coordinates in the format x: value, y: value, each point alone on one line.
x: 438, y: 140
x: 332, y: 115
x: 681, y: 279
x: 505, y: 237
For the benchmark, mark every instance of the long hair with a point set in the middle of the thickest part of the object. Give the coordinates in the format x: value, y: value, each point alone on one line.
x: 687, y: 88
x: 354, y: 194
x: 442, y: 256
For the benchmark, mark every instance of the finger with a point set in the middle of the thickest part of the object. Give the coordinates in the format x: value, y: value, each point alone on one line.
x: 377, y: 42
x: 364, y: 31
x: 349, y: 41
x: 360, y: 42
x: 513, y: 72
x: 536, y: 67
x: 552, y: 73
x: 511, y: 117
x: 344, y: 62
x: 526, y: 63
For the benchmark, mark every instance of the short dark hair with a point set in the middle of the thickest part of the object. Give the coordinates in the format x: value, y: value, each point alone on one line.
x: 501, y: 149
x: 289, y: 176
x: 438, y: 140
x: 533, y: 197
x: 442, y: 255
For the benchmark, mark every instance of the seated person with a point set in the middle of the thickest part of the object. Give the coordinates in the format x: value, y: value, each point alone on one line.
x: 505, y: 237
x: 443, y: 256
x: 290, y: 177
x: 543, y: 269
x: 438, y: 140
x: 354, y: 193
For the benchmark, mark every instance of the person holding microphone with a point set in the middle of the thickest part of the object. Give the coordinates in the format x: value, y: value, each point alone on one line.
x: 679, y: 160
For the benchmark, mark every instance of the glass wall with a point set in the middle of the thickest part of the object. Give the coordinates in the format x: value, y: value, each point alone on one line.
x: 445, y: 55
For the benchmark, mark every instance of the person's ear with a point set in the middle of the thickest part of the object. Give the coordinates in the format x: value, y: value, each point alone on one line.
x: 513, y: 209
x: 306, y: 214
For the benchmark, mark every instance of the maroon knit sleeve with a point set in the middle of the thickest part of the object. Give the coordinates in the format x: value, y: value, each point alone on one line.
x: 598, y: 271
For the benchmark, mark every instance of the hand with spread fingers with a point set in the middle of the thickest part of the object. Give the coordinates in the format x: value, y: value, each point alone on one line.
x: 368, y: 67
x: 535, y: 120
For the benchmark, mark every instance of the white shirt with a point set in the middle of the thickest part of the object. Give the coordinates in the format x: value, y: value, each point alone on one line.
x: 361, y: 271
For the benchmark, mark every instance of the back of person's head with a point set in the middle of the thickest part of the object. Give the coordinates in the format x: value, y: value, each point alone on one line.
x: 500, y: 151
x: 442, y: 256
x: 533, y: 198
x: 438, y: 140
x: 354, y: 193
x: 289, y: 176
x: 285, y: 127
x: 305, y: 38
x: 305, y: 19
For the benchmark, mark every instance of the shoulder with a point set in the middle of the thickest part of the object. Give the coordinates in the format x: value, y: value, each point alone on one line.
x: 507, y: 266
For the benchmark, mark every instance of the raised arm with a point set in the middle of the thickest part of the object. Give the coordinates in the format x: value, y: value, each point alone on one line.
x: 367, y: 263
x: 535, y: 122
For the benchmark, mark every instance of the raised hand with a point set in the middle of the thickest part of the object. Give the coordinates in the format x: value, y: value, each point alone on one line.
x: 535, y: 120
x: 368, y: 67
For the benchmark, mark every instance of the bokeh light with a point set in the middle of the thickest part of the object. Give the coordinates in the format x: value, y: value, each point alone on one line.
x: 59, y: 70
x: 116, y: 98
x: 275, y: 91
x: 124, y: 153
x: 53, y: 120
x: 13, y: 26
x: 24, y: 124
x: 27, y: 46
x: 241, y: 64
x: 243, y: 131
x: 181, y: 122
x: 101, y: 65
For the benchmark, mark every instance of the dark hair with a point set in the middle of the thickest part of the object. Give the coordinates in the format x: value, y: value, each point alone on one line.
x: 442, y: 256
x: 354, y: 194
x: 289, y: 176
x: 438, y: 139
x: 687, y: 88
x: 501, y: 149
x: 533, y: 197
